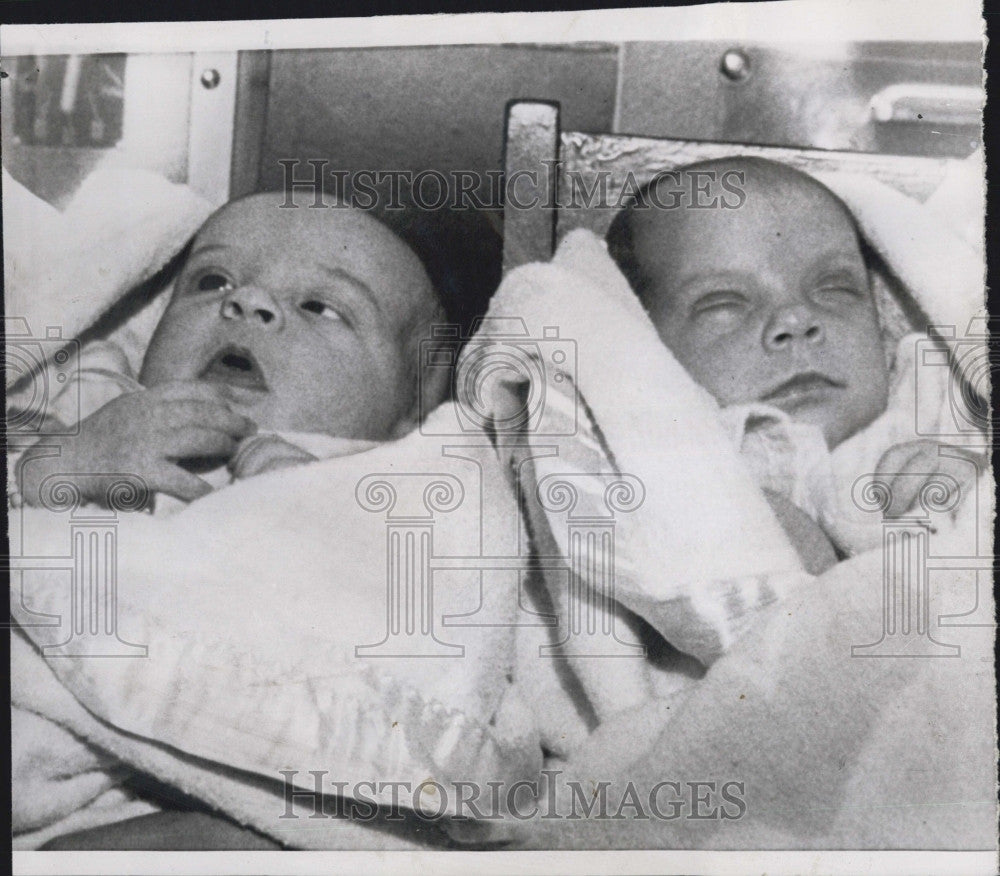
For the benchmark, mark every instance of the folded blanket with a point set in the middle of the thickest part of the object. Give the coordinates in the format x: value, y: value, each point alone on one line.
x: 829, y: 750
x: 264, y: 614
x: 934, y: 264
x: 690, y: 545
x: 68, y: 269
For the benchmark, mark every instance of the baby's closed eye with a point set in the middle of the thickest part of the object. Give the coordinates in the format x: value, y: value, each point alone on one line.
x: 841, y: 287
x: 720, y: 301
x: 839, y: 292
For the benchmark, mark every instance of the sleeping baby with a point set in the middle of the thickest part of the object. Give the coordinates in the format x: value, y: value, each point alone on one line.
x: 291, y: 334
x: 769, y: 306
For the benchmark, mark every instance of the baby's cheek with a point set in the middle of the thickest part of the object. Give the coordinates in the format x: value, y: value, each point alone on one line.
x: 173, y: 352
x: 868, y: 372
x: 728, y: 371
x: 353, y: 390
x: 349, y: 408
x: 395, y: 372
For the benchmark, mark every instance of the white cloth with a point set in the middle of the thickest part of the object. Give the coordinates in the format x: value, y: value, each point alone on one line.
x: 260, y: 605
x: 64, y: 270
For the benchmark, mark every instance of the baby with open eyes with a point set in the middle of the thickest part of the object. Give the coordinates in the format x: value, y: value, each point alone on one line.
x: 291, y: 334
x: 769, y: 307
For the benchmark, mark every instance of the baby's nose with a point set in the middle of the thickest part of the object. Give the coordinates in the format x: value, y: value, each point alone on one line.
x: 790, y: 325
x: 253, y: 304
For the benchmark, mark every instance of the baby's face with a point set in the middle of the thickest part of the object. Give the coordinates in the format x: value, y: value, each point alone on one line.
x: 305, y: 318
x: 769, y: 302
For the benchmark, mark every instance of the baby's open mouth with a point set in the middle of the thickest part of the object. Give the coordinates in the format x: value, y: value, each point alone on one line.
x: 803, y: 387
x: 237, y: 367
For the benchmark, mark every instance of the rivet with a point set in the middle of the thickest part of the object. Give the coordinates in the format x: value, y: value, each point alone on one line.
x: 210, y: 78
x: 735, y: 65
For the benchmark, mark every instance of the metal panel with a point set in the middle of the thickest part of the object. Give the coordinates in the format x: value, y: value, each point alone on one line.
x: 437, y: 108
x: 529, y: 225
x: 817, y: 96
x: 253, y: 74
x: 213, y: 110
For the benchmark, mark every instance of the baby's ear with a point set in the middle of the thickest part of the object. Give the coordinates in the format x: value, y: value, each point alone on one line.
x: 432, y: 386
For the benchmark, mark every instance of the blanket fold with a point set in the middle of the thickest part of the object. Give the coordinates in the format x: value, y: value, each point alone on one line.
x: 257, y: 630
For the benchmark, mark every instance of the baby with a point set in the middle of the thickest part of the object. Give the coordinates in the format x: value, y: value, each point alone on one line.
x: 290, y: 334
x: 288, y: 331
x: 768, y: 305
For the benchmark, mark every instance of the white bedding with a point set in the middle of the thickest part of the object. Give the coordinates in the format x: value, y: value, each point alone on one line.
x: 252, y: 601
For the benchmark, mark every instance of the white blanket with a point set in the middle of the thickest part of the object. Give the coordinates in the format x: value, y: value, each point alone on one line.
x: 263, y: 591
x: 251, y: 604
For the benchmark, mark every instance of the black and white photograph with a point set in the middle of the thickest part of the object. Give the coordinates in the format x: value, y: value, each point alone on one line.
x: 537, y: 442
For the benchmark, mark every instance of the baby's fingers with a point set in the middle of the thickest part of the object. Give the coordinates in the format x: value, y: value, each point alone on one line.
x: 191, y: 390
x: 910, y: 457
x: 907, y: 469
x: 198, y: 441
x: 208, y: 415
x: 174, y: 481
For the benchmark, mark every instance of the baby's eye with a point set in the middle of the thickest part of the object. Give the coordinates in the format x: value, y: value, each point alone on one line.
x: 320, y: 308
x: 839, y: 292
x: 213, y: 281
x: 720, y: 301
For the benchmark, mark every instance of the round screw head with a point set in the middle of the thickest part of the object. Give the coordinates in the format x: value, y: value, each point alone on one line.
x: 735, y: 65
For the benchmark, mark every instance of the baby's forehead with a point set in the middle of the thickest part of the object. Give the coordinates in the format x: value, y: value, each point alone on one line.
x: 265, y: 218
x: 257, y: 232
x: 731, y: 194
x: 259, y: 227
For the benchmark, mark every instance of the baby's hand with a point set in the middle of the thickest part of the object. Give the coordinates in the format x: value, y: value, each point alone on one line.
x: 145, y: 433
x: 263, y: 453
x: 907, y: 467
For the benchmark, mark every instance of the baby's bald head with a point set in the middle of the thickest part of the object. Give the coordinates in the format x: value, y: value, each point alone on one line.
x: 756, y: 280
x: 679, y: 197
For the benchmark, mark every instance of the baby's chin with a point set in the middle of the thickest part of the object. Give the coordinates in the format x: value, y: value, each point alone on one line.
x: 840, y: 428
x: 837, y: 413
